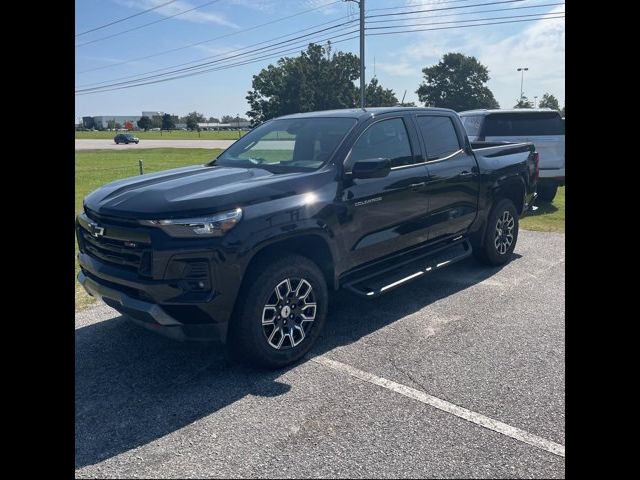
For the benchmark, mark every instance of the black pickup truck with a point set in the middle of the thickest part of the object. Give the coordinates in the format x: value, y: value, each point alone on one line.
x: 246, y: 248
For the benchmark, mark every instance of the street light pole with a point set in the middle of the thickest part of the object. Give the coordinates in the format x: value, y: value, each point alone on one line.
x: 535, y: 102
x: 522, y: 69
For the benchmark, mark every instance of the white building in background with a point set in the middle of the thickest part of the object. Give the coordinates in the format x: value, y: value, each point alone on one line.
x: 102, y: 121
x: 224, y: 126
x: 152, y: 114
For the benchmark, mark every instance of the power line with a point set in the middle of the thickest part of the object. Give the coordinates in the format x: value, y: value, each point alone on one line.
x: 340, y: 26
x: 164, y: 52
x: 445, y: 8
x: 467, y: 13
x: 208, y: 64
x: 463, y: 26
x: 427, y: 3
x: 213, y: 69
x: 147, y: 24
x: 125, y: 18
x: 460, y: 21
x: 179, y: 73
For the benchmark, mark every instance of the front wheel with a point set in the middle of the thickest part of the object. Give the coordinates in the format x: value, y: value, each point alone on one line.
x: 280, y: 313
x: 500, y: 235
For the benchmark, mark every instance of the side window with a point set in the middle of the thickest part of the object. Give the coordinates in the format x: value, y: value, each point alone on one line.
x: 384, y: 139
x: 439, y: 136
x: 472, y: 124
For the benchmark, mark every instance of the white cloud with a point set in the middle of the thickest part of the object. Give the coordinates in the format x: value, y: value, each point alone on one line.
x: 197, y: 16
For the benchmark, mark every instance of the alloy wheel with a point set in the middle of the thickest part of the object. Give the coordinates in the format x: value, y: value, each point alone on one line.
x: 289, y: 313
x: 504, y: 232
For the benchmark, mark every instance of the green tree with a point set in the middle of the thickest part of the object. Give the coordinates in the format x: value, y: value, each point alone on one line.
x: 192, y: 124
x: 144, y: 123
x: 315, y: 80
x: 111, y: 124
x: 168, y: 122
x: 156, y: 121
x: 524, y: 102
x: 214, y: 120
x: 549, y: 101
x: 195, y: 117
x: 456, y: 82
x: 377, y: 96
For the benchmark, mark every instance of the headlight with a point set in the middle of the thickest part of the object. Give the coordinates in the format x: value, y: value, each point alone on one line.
x: 207, y: 226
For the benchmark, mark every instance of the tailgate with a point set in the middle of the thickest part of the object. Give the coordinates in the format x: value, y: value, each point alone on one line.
x: 550, y: 148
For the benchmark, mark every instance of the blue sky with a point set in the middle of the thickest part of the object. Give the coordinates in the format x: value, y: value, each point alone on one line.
x: 538, y: 45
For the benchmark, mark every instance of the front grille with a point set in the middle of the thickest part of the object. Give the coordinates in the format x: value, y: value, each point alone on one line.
x: 125, y: 222
x: 117, y: 252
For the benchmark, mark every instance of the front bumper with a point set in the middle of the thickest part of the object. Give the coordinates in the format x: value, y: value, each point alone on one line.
x: 151, y: 315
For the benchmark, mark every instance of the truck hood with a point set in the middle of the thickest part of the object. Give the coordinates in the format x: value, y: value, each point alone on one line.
x: 197, y: 190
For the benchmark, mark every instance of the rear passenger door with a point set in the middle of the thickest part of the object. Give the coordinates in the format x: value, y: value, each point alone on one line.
x: 453, y: 176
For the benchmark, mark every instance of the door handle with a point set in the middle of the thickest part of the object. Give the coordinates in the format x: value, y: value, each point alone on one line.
x: 416, y: 186
x: 465, y: 173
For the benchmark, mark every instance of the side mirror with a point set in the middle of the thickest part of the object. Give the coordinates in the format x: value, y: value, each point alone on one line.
x: 372, y: 168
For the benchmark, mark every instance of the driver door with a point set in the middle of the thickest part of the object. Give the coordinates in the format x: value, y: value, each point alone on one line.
x: 385, y: 215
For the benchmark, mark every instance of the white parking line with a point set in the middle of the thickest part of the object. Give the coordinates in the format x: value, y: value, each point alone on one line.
x: 445, y: 406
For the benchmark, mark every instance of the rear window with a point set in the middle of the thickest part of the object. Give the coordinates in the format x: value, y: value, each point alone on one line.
x: 439, y: 136
x: 523, y: 124
x: 472, y: 124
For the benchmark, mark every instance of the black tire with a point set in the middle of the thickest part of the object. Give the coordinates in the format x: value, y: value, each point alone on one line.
x: 494, y: 251
x: 257, y: 301
x: 547, y: 192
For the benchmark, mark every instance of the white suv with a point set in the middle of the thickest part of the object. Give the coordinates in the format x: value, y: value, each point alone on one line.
x: 541, y: 126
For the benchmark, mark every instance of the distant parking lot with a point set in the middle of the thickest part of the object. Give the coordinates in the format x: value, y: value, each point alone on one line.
x: 488, y: 340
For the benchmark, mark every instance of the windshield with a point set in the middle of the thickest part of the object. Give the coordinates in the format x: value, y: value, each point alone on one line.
x: 288, y: 144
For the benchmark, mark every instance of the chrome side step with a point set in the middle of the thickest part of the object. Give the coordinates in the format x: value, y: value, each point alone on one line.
x: 378, y: 284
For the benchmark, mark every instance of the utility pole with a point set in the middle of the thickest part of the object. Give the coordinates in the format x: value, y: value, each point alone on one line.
x: 361, y: 5
x: 535, y: 102
x: 522, y: 69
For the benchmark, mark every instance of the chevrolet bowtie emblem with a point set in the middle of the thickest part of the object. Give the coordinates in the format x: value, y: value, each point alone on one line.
x: 96, y: 230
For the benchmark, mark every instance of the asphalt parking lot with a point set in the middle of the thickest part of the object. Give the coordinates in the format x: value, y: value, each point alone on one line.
x: 489, y: 340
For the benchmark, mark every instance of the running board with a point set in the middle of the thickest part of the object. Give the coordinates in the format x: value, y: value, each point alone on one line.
x: 375, y: 285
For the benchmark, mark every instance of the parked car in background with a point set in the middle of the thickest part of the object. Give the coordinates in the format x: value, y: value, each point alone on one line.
x: 247, y: 248
x: 125, y: 138
x: 541, y: 126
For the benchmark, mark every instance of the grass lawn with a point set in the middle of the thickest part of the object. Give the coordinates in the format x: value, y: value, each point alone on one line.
x: 94, y: 168
x: 548, y: 218
x: 172, y: 135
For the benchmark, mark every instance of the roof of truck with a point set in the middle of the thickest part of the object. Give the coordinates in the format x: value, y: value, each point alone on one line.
x: 363, y: 112
x: 485, y: 111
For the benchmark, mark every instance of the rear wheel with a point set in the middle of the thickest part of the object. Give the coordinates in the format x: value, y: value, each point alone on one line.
x: 547, y: 192
x: 280, y: 312
x: 500, y: 236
